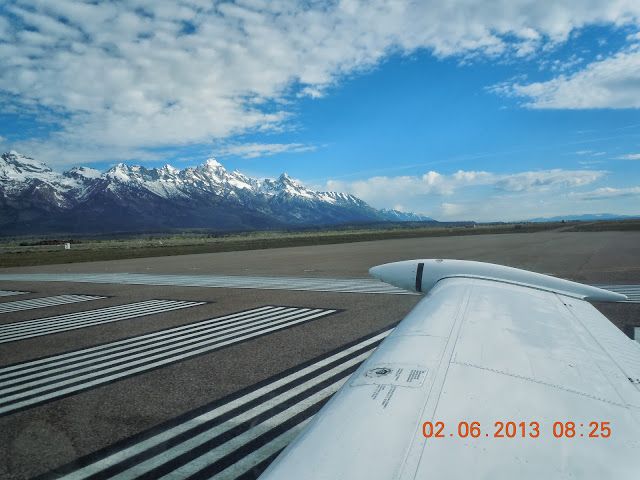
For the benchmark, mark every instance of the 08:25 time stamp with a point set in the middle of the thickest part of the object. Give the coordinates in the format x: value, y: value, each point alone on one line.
x: 511, y: 429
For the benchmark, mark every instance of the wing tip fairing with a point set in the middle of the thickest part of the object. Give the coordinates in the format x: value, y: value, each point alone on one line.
x: 422, y: 274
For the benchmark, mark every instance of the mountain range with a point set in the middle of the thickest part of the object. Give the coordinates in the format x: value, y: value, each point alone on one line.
x: 36, y: 199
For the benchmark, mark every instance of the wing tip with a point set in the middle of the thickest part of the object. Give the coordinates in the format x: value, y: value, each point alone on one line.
x: 421, y: 275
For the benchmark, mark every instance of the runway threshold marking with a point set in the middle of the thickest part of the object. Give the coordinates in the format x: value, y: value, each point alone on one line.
x: 44, y: 302
x: 235, y: 437
x: 12, y: 332
x: 9, y: 293
x: 26, y: 384
x: 340, y: 285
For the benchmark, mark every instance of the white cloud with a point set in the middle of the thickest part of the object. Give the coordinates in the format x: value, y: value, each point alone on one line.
x: 609, y: 83
x: 387, y: 190
x: 452, y: 210
x: 590, y: 163
x: 125, y: 77
x: 547, y: 179
x: 475, y: 195
x: 606, y: 193
x: 629, y: 156
x: 255, y: 150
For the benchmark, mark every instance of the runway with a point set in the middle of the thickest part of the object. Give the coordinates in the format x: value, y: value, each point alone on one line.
x: 263, y: 283
x: 209, y: 373
x: 361, y: 285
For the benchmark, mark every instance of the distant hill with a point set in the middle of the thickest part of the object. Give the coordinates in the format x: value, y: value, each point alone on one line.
x: 35, y: 199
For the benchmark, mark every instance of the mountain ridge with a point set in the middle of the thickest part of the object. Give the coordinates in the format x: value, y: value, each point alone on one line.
x: 36, y: 199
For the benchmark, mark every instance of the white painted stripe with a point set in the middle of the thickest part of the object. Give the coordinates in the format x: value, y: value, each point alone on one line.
x: 342, y: 285
x: 9, y: 293
x: 260, y: 429
x: 44, y: 302
x: 71, y: 356
x: 218, y: 411
x: 171, y: 345
x: 49, y: 395
x: 261, y: 454
x: 107, y: 313
x: 152, y: 360
x: 168, y: 337
x: 45, y: 326
x: 68, y: 318
x: 254, y: 432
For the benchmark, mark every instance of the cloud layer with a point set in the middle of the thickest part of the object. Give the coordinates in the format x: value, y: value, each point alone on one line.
x: 119, y: 78
x: 383, y: 189
x: 610, y: 83
x: 477, y: 195
x: 254, y: 150
x: 606, y: 193
x: 629, y: 156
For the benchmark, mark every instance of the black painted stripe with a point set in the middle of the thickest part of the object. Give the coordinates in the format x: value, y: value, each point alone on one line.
x: 259, y: 469
x: 152, y: 432
x: 202, y: 427
x: 419, y: 277
x: 258, y: 442
x: 224, y: 462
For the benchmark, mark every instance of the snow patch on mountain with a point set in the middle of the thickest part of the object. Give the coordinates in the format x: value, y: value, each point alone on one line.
x: 83, y: 173
x: 400, y: 216
x: 206, y: 195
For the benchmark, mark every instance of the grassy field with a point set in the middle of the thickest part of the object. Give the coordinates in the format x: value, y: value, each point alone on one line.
x: 607, y: 225
x: 40, y: 251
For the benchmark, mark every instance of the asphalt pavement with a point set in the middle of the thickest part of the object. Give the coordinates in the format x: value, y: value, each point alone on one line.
x: 112, y: 378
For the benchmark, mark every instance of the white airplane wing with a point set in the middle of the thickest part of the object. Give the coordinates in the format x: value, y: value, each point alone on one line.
x: 497, y: 373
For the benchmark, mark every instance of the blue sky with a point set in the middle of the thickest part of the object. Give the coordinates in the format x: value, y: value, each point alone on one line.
x: 512, y: 111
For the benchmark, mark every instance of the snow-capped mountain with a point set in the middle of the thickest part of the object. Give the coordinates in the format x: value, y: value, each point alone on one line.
x: 34, y: 199
x: 400, y: 216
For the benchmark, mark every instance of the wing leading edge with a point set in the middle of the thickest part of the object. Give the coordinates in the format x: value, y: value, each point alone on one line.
x: 482, y: 350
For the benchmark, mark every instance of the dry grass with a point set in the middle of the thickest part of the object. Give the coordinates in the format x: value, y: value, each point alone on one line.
x: 32, y: 251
